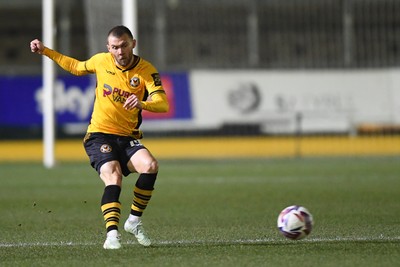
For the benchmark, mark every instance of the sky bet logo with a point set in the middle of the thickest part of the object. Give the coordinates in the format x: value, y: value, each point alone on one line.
x: 118, y: 95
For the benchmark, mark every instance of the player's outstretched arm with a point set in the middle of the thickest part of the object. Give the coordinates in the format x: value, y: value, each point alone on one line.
x: 37, y: 46
x: 69, y: 64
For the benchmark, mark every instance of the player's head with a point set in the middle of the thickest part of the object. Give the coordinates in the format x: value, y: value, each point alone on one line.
x: 120, y: 44
x: 120, y: 30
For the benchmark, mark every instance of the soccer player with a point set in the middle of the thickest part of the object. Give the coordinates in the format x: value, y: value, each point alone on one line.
x: 126, y: 85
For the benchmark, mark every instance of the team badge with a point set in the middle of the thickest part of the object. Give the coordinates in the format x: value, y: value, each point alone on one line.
x: 105, y: 148
x: 135, y: 82
x: 245, y: 99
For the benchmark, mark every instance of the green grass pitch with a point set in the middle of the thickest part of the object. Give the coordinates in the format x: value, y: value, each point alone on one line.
x: 207, y: 213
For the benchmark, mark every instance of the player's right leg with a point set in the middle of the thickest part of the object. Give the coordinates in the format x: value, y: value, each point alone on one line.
x: 101, y: 153
x: 111, y: 209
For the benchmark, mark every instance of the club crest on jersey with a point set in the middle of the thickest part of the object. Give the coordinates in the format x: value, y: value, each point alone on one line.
x: 135, y: 82
x: 105, y: 148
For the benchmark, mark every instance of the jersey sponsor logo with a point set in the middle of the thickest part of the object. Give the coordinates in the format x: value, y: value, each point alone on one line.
x: 110, y: 72
x: 135, y: 82
x: 156, y: 79
x: 118, y: 95
x: 105, y: 148
x: 107, y: 90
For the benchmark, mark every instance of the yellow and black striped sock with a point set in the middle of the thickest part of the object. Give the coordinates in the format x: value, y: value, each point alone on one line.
x: 111, y: 207
x: 142, y: 193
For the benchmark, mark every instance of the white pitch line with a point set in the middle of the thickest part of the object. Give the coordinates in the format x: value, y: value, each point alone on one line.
x: 265, y: 241
x: 271, y: 241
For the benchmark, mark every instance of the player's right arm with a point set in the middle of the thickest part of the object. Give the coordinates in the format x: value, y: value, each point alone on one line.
x: 69, y: 64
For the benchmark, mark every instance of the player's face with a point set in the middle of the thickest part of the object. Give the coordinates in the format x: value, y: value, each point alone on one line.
x: 121, y: 48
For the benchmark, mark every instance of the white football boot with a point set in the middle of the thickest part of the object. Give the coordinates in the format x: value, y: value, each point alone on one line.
x: 136, y: 228
x: 113, y: 240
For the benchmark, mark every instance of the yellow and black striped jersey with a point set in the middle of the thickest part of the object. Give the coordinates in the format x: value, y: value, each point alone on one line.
x: 114, y: 86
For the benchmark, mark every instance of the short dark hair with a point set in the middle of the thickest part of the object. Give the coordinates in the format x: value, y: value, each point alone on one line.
x: 120, y: 30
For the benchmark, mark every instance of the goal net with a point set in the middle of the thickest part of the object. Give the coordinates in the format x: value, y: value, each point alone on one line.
x: 101, y: 15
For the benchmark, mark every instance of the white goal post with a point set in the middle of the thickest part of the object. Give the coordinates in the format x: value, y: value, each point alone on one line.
x: 48, y: 86
x: 129, y: 19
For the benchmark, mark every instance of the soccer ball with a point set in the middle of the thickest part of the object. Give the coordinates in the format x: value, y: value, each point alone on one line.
x: 295, y: 222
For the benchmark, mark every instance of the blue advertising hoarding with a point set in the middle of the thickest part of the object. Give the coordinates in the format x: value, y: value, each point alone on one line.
x: 21, y: 101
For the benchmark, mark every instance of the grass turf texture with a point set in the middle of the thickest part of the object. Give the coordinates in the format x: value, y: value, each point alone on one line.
x: 208, y: 213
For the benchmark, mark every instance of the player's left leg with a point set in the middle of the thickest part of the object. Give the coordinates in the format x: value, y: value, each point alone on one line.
x: 147, y: 167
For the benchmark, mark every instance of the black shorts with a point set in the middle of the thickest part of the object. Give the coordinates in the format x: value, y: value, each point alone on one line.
x: 102, y: 148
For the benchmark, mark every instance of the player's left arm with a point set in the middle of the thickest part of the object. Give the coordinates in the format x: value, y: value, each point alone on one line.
x: 158, y: 102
